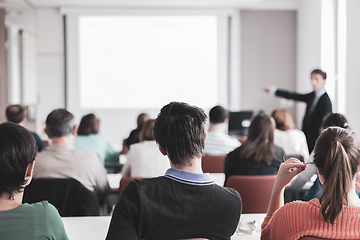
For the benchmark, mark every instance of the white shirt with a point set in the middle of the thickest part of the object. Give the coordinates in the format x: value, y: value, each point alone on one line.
x: 293, y: 142
x: 144, y: 159
x: 218, y: 143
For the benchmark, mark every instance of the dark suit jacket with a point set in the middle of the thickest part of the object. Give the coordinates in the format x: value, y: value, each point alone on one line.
x: 312, y: 121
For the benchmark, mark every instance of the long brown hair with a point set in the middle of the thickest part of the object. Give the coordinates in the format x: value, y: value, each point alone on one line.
x: 147, y: 131
x: 260, y: 140
x: 89, y: 124
x: 283, y: 119
x: 337, y: 157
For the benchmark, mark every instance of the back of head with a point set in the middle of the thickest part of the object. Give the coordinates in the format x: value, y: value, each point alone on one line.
x: 218, y: 114
x: 17, y: 150
x: 337, y: 157
x: 147, y: 131
x: 319, y: 71
x: 335, y: 120
x: 141, y: 119
x: 283, y: 119
x: 260, y: 139
x: 59, y: 123
x: 15, y: 113
x: 89, y: 124
x: 179, y: 129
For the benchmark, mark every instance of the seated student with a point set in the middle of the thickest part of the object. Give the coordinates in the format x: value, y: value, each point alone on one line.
x: 17, y: 114
x: 286, y: 136
x: 89, y: 139
x: 62, y: 160
x: 134, y: 134
x: 218, y: 142
x: 22, y: 221
x: 144, y: 158
x: 337, y: 214
x: 331, y: 120
x: 185, y: 202
x: 258, y: 155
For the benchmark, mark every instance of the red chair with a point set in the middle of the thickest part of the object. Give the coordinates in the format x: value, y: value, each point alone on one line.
x: 213, y: 164
x: 124, y: 181
x: 255, y: 191
x: 314, y: 238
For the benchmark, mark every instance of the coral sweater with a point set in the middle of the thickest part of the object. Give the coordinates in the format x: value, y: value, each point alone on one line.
x: 298, y: 219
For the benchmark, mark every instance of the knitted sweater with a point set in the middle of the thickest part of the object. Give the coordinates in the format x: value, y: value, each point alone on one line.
x: 298, y: 219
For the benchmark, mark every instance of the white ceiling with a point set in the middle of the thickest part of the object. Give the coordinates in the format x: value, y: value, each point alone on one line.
x: 16, y: 4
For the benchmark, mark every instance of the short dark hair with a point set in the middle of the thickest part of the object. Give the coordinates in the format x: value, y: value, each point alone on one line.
x: 15, y: 113
x: 17, y: 150
x: 89, y: 124
x: 179, y: 129
x: 59, y: 123
x: 218, y: 114
x: 319, y: 71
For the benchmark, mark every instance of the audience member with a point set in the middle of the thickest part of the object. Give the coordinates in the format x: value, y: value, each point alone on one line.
x: 89, y: 139
x: 332, y: 120
x: 17, y: 114
x: 337, y: 214
x: 218, y: 142
x: 258, y: 155
x: 144, y: 158
x: 134, y: 134
x: 62, y: 160
x: 293, y: 141
x: 318, y: 105
x: 22, y: 221
x: 185, y: 202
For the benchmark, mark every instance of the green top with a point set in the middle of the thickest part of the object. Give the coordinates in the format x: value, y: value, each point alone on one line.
x: 32, y: 221
x: 97, y: 144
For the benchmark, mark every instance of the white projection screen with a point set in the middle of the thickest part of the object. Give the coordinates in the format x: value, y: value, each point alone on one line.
x: 146, y: 62
x: 118, y: 66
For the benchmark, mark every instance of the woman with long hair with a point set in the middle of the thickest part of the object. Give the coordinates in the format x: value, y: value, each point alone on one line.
x: 258, y: 155
x: 336, y: 215
x: 286, y: 136
x: 331, y: 120
x: 89, y: 139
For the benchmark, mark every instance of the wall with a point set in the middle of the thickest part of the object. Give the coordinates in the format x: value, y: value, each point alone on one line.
x: 268, y: 47
x: 3, y: 86
x: 308, y: 48
x: 50, y: 63
x: 352, y: 64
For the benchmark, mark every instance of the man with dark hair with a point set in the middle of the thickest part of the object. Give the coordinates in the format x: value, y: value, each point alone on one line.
x: 185, y: 202
x: 62, y: 160
x: 17, y: 114
x: 22, y: 221
x: 218, y: 142
x: 318, y: 105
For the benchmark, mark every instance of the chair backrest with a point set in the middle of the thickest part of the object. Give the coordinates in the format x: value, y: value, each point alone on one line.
x: 255, y: 191
x: 213, y: 164
x: 316, y: 238
x: 69, y: 196
x: 124, y: 181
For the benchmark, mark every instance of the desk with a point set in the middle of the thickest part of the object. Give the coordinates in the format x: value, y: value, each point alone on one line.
x: 95, y: 228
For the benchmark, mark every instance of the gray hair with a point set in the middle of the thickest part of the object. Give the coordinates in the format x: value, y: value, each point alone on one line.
x: 59, y: 123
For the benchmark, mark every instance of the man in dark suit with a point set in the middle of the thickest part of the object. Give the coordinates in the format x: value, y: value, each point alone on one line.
x: 318, y: 105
